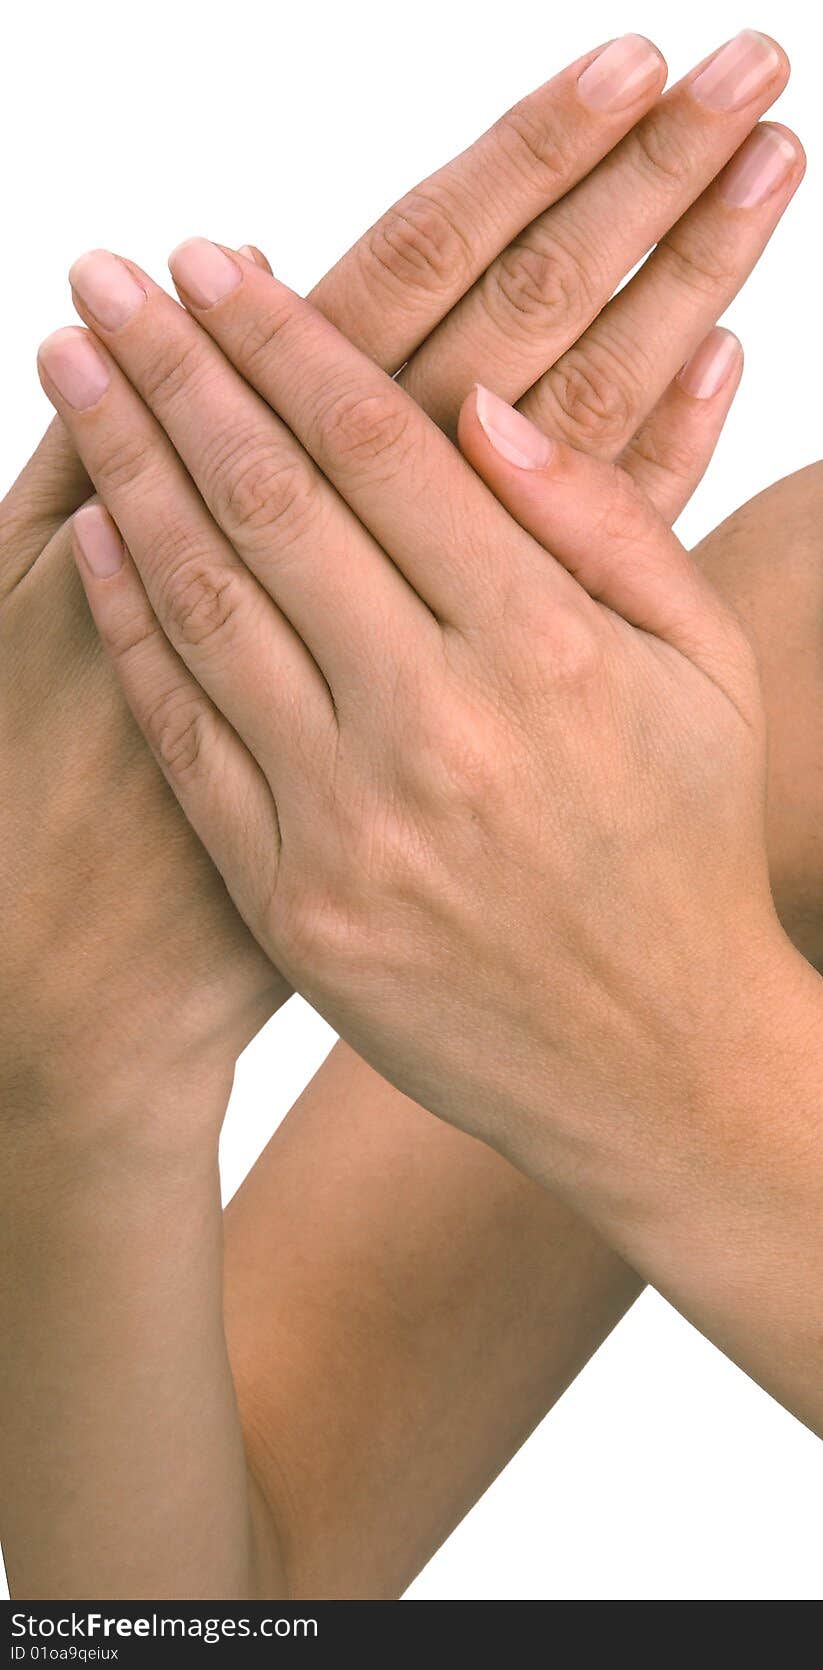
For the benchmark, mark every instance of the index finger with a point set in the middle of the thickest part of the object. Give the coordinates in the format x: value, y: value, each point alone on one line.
x: 403, y: 276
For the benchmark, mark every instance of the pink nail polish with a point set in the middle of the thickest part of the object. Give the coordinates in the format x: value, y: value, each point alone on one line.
x: 75, y: 367
x: 737, y: 72
x: 204, y: 272
x: 510, y: 433
x: 763, y: 163
x: 98, y: 541
x: 106, y: 288
x: 711, y: 365
x: 620, y: 73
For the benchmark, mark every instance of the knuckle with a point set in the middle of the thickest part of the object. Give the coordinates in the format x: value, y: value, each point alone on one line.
x: 256, y: 491
x: 319, y: 925
x: 128, y: 632
x: 418, y: 245
x: 663, y: 453
x: 460, y: 759
x: 697, y: 265
x: 370, y: 433
x: 470, y: 768
x: 596, y: 400
x: 199, y: 601
x: 661, y: 153
x: 556, y: 642
x: 576, y: 653
x: 123, y: 458
x: 179, y: 732
x: 339, y: 930
x: 173, y: 369
x: 539, y: 287
x: 532, y: 147
x: 263, y: 332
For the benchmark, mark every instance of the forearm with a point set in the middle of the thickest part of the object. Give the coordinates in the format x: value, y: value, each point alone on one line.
x: 402, y: 1308
x: 403, y: 1313
x: 722, y: 1209
x: 767, y: 559
x: 122, y: 1471
x: 571, y: 1288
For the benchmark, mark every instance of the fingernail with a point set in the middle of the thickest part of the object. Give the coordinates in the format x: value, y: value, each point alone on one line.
x: 510, y: 433
x: 260, y: 260
x: 709, y: 367
x: 106, y: 288
x: 620, y: 73
x: 205, y: 272
x: 256, y: 256
x: 736, y: 72
x: 760, y: 166
x: 98, y: 541
x: 71, y: 360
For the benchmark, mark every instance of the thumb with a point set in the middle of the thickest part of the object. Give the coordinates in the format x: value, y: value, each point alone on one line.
x: 590, y: 516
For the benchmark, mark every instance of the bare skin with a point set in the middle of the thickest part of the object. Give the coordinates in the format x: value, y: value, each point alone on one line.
x: 178, y: 1093
x: 520, y: 1321
x: 785, y: 614
x: 507, y: 1329
x: 554, y: 819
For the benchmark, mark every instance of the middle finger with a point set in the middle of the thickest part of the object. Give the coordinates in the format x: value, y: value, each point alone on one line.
x: 542, y: 293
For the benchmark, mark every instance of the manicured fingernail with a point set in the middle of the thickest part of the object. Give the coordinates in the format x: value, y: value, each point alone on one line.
x: 760, y: 166
x: 205, y: 272
x: 710, y: 366
x: 106, y: 288
x: 256, y: 256
x: 738, y: 71
x: 71, y: 360
x: 98, y: 541
x: 620, y: 73
x: 510, y: 433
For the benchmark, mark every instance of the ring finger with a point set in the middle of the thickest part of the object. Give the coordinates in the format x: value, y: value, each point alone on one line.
x: 543, y: 292
x: 598, y: 394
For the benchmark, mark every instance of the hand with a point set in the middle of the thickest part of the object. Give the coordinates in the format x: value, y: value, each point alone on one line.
x: 356, y: 1166
x: 396, y: 857
x: 611, y: 385
x: 149, y: 1301
x: 524, y: 312
x: 114, y: 921
x: 368, y: 827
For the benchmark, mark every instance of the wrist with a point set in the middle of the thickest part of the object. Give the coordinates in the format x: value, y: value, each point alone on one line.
x: 630, y: 1133
x: 150, y: 1078
x: 738, y: 1128
x: 729, y: 1224
x: 768, y: 1068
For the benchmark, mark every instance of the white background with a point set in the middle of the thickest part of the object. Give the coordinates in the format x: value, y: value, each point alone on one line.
x: 664, y: 1473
